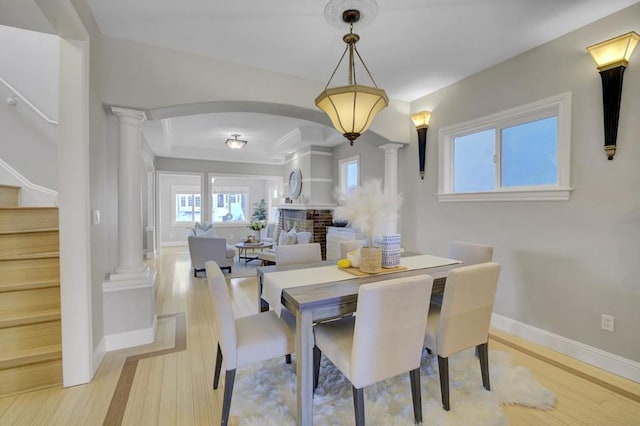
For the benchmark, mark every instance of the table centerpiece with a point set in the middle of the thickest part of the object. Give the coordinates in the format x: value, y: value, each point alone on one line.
x: 370, y: 209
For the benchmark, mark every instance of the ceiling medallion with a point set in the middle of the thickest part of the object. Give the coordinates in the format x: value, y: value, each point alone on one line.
x: 335, y: 8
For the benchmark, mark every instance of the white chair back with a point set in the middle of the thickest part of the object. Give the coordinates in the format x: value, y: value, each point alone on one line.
x: 296, y: 254
x: 347, y: 246
x: 389, y: 328
x: 467, y: 307
x: 470, y: 253
x: 223, y: 314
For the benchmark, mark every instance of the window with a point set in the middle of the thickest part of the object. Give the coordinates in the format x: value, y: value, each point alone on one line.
x: 229, y: 204
x: 519, y: 154
x: 349, y: 173
x: 187, y: 205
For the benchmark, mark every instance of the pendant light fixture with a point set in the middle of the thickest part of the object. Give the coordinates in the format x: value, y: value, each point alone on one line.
x: 235, y: 143
x: 352, y: 108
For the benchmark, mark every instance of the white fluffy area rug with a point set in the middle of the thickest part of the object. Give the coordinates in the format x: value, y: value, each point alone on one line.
x: 265, y: 394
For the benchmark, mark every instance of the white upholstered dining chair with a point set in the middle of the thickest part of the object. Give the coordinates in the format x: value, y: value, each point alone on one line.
x: 382, y: 340
x: 470, y: 254
x: 245, y: 340
x: 463, y: 321
x: 296, y: 254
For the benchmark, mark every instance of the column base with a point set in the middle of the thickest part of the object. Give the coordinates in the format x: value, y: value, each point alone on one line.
x: 129, y: 310
x: 137, y: 273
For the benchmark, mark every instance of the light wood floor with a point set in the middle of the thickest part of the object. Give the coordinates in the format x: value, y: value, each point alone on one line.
x: 169, y: 382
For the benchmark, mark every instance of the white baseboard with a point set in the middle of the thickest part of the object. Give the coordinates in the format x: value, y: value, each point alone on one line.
x: 98, y: 356
x: 132, y: 338
x: 173, y: 243
x: 597, y: 357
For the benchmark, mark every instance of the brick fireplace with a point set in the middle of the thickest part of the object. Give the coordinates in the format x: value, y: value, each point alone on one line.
x: 307, y: 219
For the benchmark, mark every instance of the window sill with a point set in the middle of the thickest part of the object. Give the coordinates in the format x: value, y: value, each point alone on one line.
x: 558, y: 194
x: 231, y: 224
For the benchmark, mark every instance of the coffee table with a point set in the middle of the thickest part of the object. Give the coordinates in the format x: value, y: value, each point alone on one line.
x: 243, y: 248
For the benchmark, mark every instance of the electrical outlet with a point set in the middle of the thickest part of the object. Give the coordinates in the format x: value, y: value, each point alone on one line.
x: 607, y: 322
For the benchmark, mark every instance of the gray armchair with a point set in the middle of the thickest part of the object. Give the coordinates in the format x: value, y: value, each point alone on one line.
x: 205, y: 249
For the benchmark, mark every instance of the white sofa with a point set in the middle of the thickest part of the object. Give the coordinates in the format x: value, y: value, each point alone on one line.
x: 285, y: 238
x: 203, y: 249
x: 205, y: 245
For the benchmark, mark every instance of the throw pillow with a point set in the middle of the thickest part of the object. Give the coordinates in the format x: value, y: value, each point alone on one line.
x: 287, y: 238
x: 292, y: 236
x: 204, y: 226
x: 304, y: 237
x: 209, y: 233
x: 282, y: 238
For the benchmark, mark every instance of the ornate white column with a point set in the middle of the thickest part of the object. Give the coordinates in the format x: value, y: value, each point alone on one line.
x: 130, y: 256
x: 391, y: 177
x: 128, y: 294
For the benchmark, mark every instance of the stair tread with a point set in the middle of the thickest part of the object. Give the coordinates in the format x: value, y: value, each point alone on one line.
x: 23, y: 317
x: 4, y: 185
x: 29, y: 356
x: 28, y: 208
x: 43, y: 255
x: 28, y: 231
x: 28, y: 285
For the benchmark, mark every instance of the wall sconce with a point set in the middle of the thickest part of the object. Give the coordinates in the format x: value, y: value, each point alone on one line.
x: 421, y: 121
x: 612, y: 57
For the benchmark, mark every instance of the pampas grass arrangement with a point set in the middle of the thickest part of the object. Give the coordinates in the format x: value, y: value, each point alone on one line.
x: 369, y: 209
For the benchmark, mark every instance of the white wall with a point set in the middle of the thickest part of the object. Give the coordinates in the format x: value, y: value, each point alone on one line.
x: 30, y: 63
x: 27, y: 141
x: 564, y: 263
x: 371, y: 155
x: 133, y: 72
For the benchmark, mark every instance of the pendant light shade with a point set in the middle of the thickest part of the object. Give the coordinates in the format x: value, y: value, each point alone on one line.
x: 352, y: 108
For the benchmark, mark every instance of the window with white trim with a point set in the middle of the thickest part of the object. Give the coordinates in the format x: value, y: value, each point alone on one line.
x: 229, y: 204
x: 186, y: 203
x: 519, y: 154
x: 349, y: 173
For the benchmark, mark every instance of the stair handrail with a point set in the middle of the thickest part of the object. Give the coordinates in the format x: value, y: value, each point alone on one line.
x: 26, y: 101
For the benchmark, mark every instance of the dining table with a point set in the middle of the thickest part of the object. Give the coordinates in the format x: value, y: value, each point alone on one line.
x: 322, y: 291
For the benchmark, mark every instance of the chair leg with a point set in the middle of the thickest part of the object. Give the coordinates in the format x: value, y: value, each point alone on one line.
x: 416, y: 395
x: 228, y: 391
x: 443, y: 368
x: 483, y: 354
x: 358, y: 405
x: 195, y: 273
x: 287, y: 358
x: 317, y: 356
x: 216, y: 375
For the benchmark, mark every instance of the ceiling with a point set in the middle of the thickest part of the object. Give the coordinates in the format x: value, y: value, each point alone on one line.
x: 412, y: 47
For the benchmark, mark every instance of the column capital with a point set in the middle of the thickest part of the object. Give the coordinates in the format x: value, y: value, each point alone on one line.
x: 391, y: 146
x: 129, y: 113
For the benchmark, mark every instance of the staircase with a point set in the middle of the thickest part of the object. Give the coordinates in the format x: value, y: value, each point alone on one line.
x: 30, y: 334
